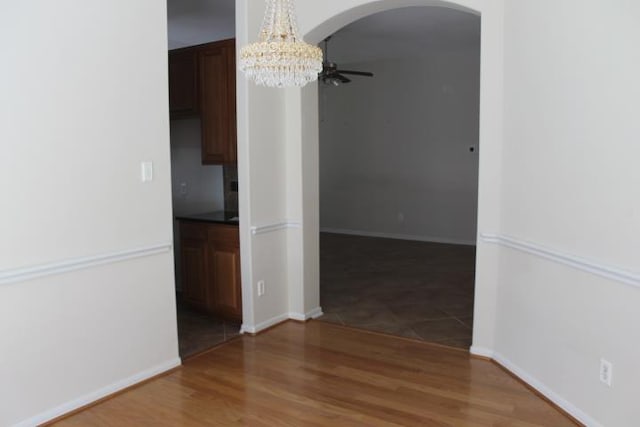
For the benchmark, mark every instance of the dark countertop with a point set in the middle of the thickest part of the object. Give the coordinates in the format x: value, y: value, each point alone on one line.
x: 218, y: 217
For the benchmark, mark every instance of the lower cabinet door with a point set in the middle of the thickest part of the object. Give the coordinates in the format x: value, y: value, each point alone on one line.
x: 224, y: 264
x: 194, y: 272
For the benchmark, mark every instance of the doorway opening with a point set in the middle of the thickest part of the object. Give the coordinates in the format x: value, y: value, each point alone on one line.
x: 201, y: 41
x: 398, y: 168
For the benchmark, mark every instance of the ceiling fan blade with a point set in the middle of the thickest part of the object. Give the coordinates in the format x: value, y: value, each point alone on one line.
x: 356, y: 73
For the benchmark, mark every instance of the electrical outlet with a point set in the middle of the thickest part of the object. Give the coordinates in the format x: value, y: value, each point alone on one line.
x: 261, y: 288
x: 606, y: 372
x: 400, y: 217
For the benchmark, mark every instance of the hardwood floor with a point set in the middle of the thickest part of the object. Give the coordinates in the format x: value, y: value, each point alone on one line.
x: 319, y: 374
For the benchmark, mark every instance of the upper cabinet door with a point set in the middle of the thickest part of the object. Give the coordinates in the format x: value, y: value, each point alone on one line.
x: 183, y: 83
x: 218, y: 102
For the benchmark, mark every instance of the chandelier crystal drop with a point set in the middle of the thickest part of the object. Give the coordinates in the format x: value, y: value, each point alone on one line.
x: 280, y: 58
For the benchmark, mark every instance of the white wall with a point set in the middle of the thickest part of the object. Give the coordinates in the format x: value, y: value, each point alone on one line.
x: 395, y: 155
x: 205, y: 183
x: 571, y: 185
x: 84, y: 101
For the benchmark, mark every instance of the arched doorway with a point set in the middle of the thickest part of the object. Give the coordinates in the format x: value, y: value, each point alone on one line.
x: 302, y: 133
x: 399, y: 175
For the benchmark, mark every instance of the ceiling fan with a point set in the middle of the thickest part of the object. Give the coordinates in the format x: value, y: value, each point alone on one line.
x: 331, y: 75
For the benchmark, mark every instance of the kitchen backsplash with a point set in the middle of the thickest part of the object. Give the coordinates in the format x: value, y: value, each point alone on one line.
x: 196, y: 188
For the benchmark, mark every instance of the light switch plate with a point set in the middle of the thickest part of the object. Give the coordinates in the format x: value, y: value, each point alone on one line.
x: 184, y: 189
x: 146, y: 169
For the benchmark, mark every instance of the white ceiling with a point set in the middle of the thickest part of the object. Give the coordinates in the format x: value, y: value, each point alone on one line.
x: 398, y: 33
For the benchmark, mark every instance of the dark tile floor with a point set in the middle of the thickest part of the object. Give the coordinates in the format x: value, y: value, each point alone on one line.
x: 198, y: 331
x: 413, y: 289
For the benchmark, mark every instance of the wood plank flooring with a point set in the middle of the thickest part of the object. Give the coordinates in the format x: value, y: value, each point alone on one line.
x: 320, y: 374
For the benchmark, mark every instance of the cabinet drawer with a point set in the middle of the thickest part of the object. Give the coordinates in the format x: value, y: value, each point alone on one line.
x: 193, y: 230
x: 227, y: 234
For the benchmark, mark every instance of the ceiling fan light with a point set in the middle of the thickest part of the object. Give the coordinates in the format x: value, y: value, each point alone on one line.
x: 280, y: 58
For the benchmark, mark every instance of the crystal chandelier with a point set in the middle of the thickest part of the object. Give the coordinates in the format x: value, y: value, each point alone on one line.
x: 280, y: 58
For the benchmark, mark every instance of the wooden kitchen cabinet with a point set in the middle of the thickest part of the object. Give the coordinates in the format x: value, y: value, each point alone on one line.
x: 210, y: 257
x: 218, y: 102
x: 183, y: 83
x: 202, y: 82
x: 194, y: 283
x: 225, y: 299
x: 193, y: 257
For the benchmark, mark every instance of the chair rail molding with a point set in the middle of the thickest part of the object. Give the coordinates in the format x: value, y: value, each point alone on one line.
x: 594, y: 267
x: 33, y: 272
x: 275, y: 226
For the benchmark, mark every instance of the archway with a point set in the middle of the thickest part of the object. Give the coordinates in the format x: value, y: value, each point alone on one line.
x: 303, y: 139
x: 398, y: 175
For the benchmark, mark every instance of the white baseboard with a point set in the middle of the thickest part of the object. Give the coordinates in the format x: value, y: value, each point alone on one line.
x: 571, y: 409
x: 312, y: 314
x: 254, y: 329
x: 481, y: 352
x: 411, y: 237
x: 539, y: 386
x: 99, y: 394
